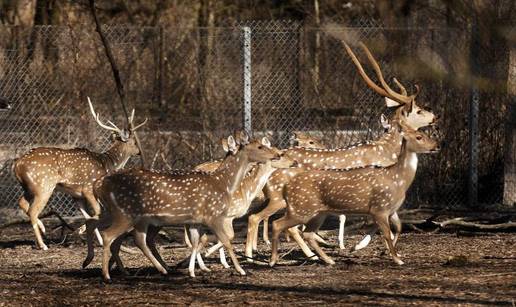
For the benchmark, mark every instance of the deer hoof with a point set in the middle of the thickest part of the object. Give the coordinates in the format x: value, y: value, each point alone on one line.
x: 398, y: 261
x: 108, y: 281
x: 329, y: 261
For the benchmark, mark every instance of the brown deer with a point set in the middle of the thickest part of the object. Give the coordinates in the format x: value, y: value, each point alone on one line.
x: 137, y: 199
x: 72, y: 171
x: 378, y: 192
x: 302, y: 139
x: 382, y: 152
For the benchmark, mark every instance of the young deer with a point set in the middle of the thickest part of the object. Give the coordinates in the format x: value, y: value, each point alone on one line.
x: 137, y: 199
x: 382, y: 152
x: 302, y: 139
x: 72, y: 171
x: 378, y: 192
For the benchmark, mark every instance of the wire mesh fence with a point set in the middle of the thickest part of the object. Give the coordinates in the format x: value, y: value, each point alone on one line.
x: 191, y: 84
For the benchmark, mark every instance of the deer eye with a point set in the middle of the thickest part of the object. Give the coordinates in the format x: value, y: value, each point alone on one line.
x: 311, y: 142
x: 260, y: 147
x: 419, y: 112
x: 419, y: 137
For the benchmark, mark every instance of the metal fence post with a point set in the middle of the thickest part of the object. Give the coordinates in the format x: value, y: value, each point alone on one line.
x: 246, y: 48
x: 473, y: 118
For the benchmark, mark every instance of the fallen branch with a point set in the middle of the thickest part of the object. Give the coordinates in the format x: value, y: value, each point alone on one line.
x: 457, y: 222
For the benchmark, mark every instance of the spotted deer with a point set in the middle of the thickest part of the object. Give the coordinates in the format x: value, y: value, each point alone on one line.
x: 301, y: 139
x: 137, y: 199
x: 378, y: 192
x: 73, y: 171
x: 381, y: 152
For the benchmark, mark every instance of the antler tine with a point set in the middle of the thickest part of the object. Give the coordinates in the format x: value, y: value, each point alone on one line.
x: 114, y: 126
x: 96, y: 116
x: 376, y: 67
x: 366, y: 78
x: 400, y: 86
x: 131, y: 118
x: 143, y: 123
x: 417, y: 91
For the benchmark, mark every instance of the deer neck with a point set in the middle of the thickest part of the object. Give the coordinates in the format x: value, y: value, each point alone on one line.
x: 256, y: 180
x: 390, y: 143
x: 232, y: 171
x: 115, y: 158
x: 404, y: 171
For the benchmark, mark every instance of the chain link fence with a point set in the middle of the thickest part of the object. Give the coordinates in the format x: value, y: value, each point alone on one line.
x: 191, y: 84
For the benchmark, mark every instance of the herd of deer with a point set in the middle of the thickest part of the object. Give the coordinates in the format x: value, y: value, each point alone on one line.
x: 309, y: 181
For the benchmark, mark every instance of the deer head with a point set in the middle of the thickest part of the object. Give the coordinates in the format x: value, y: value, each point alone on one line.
x: 419, y: 142
x: 304, y: 140
x: 123, y: 138
x: 409, y: 112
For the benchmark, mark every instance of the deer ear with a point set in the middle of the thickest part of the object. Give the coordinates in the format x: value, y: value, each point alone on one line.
x: 232, y: 146
x: 391, y: 103
x: 243, y: 137
x: 113, y: 137
x: 225, y: 145
x: 410, y: 106
x: 385, y: 122
x: 266, y: 142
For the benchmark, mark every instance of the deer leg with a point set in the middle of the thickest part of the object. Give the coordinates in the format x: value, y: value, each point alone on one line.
x: 223, y: 229
x: 187, y: 239
x: 223, y: 260
x: 396, y: 223
x: 278, y: 226
x: 265, y: 233
x: 367, y: 239
x: 213, y: 249
x: 38, y: 205
x: 152, y: 233
x: 342, y: 222
x: 140, y: 239
x: 220, y: 247
x: 95, y: 206
x: 93, y: 224
x: 309, y: 234
x: 115, y: 255
x: 320, y: 239
x: 194, y: 239
x: 202, y: 241
x: 275, y: 204
x: 382, y: 221
x: 119, y: 226
x: 296, y: 235
x: 25, y: 206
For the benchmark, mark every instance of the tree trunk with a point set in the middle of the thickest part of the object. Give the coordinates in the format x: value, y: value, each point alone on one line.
x: 509, y: 190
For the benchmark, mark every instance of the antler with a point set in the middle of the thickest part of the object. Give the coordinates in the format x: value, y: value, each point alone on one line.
x: 96, y: 116
x: 385, y: 90
x: 366, y: 78
x: 131, y: 119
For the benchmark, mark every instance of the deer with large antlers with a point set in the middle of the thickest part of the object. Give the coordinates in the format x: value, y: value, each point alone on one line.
x: 378, y: 192
x: 137, y: 199
x: 382, y: 152
x: 72, y: 171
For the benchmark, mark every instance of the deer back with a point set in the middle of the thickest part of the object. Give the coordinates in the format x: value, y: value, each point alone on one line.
x: 359, y: 191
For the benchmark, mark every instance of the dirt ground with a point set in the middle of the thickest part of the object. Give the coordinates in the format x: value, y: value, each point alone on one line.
x: 439, y: 269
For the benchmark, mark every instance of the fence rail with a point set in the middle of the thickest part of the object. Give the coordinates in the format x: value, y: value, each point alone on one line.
x: 198, y: 85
